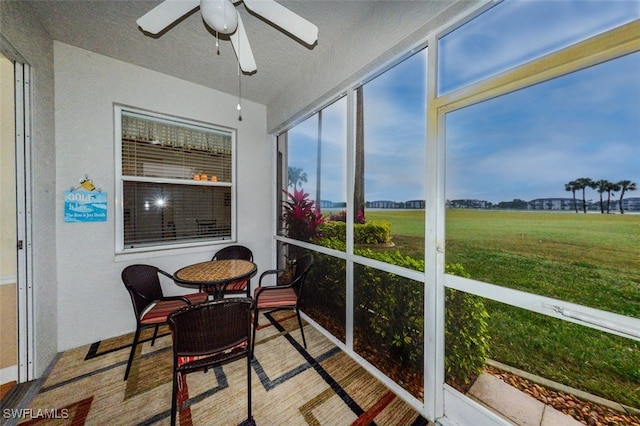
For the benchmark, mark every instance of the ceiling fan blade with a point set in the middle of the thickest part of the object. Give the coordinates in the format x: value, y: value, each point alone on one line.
x: 240, y: 43
x: 285, y: 19
x: 165, y: 14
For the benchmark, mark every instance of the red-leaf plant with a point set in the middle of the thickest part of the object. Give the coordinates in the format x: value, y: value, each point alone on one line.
x: 342, y: 217
x: 301, y: 216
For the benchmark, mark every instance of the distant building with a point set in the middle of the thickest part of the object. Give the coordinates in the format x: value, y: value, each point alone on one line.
x: 631, y: 204
x: 563, y: 204
x: 414, y: 204
x: 326, y: 204
x: 469, y: 204
x: 384, y: 204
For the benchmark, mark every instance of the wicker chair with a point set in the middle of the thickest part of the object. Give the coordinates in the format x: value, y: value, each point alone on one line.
x: 150, y: 306
x: 283, y: 296
x: 235, y: 252
x: 208, y: 335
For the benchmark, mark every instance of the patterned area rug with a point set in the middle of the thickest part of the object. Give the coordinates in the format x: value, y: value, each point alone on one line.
x: 290, y: 385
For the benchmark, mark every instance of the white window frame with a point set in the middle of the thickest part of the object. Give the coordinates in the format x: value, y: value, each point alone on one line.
x: 120, y: 248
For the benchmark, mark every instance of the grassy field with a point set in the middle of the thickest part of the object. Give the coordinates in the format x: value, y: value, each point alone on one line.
x: 590, y: 259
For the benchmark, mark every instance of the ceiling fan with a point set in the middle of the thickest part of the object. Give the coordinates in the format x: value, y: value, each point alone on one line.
x: 222, y: 17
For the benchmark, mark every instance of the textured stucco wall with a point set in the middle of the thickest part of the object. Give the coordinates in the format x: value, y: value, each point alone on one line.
x: 92, y: 301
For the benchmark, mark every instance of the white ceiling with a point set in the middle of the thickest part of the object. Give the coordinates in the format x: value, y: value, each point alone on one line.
x: 187, y: 51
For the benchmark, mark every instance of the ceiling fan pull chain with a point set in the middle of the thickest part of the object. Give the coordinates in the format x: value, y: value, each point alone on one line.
x: 239, y: 93
x: 218, y: 43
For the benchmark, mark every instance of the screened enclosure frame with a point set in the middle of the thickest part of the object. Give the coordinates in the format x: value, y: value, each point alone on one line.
x: 441, y: 401
x: 607, y: 46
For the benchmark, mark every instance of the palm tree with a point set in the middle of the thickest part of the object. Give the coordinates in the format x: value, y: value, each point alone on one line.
x: 358, y: 194
x: 625, y: 185
x: 584, y: 183
x: 611, y: 187
x: 296, y: 176
x: 602, y: 186
x: 572, y: 187
x: 319, y: 162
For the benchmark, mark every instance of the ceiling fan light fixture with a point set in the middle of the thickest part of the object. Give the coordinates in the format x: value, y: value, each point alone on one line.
x: 221, y: 15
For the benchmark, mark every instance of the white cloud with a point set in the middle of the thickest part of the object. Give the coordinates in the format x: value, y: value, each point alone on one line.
x: 524, y: 145
x: 518, y: 31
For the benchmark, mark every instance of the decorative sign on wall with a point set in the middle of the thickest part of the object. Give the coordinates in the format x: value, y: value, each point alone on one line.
x: 85, y: 203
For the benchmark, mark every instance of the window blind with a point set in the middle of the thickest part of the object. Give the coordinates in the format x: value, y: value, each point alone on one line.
x: 152, y: 148
x: 161, y: 212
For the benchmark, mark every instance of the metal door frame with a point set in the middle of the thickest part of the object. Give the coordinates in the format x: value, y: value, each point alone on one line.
x: 23, y: 169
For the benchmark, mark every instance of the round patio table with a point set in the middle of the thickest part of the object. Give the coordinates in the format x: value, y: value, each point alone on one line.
x: 214, y: 275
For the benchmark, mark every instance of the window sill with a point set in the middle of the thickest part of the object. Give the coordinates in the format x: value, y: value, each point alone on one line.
x: 154, y: 252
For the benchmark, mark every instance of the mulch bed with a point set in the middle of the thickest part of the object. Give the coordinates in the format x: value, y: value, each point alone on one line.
x: 585, y: 412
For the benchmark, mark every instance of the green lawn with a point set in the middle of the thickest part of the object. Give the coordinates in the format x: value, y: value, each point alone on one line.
x: 590, y: 259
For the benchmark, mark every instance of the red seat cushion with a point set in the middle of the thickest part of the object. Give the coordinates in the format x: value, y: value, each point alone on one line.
x: 274, y: 297
x: 157, y: 312
x: 190, y: 358
x: 237, y: 285
x: 196, y: 298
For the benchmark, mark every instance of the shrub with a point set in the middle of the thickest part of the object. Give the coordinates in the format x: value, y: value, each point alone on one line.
x: 391, y: 309
x: 374, y: 232
x: 333, y: 230
x: 301, y: 217
x: 466, y: 333
x: 324, y: 294
x: 342, y: 217
x: 326, y: 290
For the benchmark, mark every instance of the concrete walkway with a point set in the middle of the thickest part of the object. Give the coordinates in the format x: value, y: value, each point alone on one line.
x: 516, y: 406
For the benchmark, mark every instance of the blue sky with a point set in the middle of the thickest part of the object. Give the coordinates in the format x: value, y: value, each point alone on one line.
x: 303, y: 152
x: 520, y: 30
x: 528, y: 144
x: 395, y: 132
x: 524, y: 145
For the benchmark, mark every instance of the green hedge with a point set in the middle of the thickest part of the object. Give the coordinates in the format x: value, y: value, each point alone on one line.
x: 466, y: 333
x: 373, y: 232
x: 390, y: 311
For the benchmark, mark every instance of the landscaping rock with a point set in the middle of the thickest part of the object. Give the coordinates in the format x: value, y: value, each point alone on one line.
x: 585, y: 412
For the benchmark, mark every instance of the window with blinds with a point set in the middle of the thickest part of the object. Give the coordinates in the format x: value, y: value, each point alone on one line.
x: 177, y: 180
